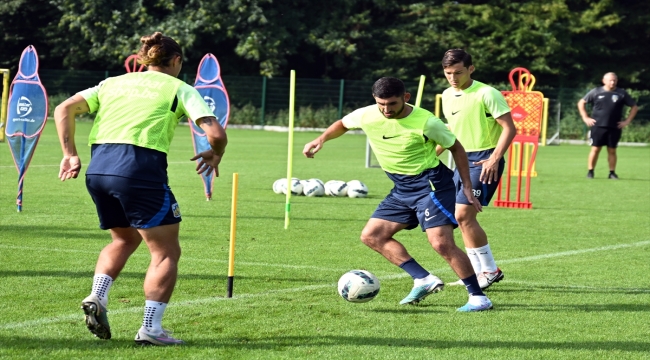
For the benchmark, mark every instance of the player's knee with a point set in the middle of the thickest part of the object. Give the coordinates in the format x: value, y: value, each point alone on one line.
x: 444, y: 247
x: 368, y: 238
x: 465, y: 217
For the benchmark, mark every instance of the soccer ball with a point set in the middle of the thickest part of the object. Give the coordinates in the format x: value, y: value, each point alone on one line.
x: 357, y: 189
x: 296, y: 187
x: 336, y: 188
x: 358, y: 286
x: 318, y: 181
x: 313, y: 188
x: 304, y: 184
x: 278, y: 185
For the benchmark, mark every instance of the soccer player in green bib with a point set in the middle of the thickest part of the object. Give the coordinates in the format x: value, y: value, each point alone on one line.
x: 479, y: 116
x: 137, y: 114
x: 404, y: 139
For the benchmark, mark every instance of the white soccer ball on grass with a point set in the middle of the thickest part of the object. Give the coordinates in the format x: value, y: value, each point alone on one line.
x: 358, y: 286
x: 278, y: 185
x: 336, y: 188
x: 357, y: 189
x: 313, y: 188
x: 296, y: 186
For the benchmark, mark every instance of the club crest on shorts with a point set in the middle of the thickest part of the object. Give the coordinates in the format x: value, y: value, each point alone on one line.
x: 176, y: 210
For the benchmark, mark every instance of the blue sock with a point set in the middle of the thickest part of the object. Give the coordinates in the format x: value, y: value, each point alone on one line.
x: 415, y: 270
x: 473, y: 288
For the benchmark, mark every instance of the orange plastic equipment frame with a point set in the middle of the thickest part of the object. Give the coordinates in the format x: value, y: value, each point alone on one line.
x: 527, y: 133
x: 131, y: 64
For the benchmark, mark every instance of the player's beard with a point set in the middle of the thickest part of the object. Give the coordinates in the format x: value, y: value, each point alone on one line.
x: 393, y: 116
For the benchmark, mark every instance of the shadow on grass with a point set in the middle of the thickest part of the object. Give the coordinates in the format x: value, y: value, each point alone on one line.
x: 54, y: 232
x: 641, y: 308
x: 570, y: 289
x: 294, y: 216
x: 21, y: 343
x: 140, y: 275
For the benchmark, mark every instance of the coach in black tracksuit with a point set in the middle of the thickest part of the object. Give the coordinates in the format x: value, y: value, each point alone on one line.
x: 606, y: 120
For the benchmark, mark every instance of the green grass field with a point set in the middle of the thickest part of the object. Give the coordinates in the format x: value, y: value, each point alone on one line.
x: 576, y: 265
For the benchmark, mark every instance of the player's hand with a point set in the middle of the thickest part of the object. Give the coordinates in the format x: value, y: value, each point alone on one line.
x: 209, y: 161
x: 490, y: 170
x: 589, y: 121
x: 622, y: 124
x: 469, y: 194
x: 312, y: 148
x: 70, y: 168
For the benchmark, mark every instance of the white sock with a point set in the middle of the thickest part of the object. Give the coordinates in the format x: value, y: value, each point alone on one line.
x: 427, y: 280
x: 474, y: 259
x: 487, y: 260
x: 153, y: 313
x: 101, y: 285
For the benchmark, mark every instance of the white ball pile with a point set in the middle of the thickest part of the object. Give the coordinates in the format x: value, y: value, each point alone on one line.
x: 315, y: 187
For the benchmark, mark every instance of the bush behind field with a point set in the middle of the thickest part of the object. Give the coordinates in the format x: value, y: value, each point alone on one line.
x: 571, y: 124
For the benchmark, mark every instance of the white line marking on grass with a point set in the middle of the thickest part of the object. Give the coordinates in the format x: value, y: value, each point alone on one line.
x: 574, y: 252
x: 57, y: 165
x: 38, y: 322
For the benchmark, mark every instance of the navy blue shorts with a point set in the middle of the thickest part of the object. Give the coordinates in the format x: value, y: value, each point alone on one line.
x: 483, y: 192
x: 427, y: 199
x: 124, y: 202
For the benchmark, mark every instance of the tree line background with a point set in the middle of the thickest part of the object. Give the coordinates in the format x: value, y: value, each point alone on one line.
x: 564, y: 43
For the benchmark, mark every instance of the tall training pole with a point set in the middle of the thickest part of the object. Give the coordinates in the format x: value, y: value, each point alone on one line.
x: 418, y: 97
x: 233, y: 227
x: 292, y: 104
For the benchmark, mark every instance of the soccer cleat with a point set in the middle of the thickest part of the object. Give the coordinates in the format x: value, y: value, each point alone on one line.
x: 613, y: 176
x: 486, y: 279
x: 590, y: 175
x: 96, y: 319
x: 162, y: 339
x: 476, y: 303
x: 418, y: 293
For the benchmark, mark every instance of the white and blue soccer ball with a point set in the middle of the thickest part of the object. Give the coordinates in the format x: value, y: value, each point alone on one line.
x: 296, y: 186
x: 313, y: 187
x: 318, y: 180
x: 358, y: 286
x: 304, y: 184
x: 278, y: 185
x: 336, y: 188
x: 357, y: 189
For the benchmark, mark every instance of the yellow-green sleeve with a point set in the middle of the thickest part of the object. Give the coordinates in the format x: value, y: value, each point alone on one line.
x: 92, y: 97
x: 437, y: 131
x: 353, y: 119
x: 494, y: 102
x: 191, y: 104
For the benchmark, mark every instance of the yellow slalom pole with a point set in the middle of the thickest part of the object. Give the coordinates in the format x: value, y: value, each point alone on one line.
x: 233, y: 227
x: 4, y: 104
x: 436, y: 110
x: 292, y: 104
x: 544, y: 121
x: 418, y: 97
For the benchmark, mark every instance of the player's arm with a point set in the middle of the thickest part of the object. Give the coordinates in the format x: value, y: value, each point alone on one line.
x: 332, y: 132
x: 439, y: 148
x: 64, y: 118
x: 462, y: 165
x: 490, y: 170
x: 215, y: 133
x: 217, y: 138
x: 630, y: 117
x: 583, y: 113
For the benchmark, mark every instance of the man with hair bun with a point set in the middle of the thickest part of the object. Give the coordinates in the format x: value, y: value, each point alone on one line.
x: 137, y: 114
